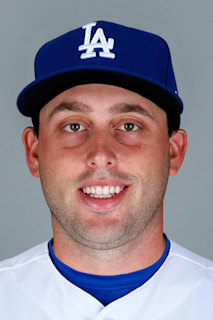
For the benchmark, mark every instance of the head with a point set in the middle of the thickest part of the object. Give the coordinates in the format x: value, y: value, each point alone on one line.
x: 104, y: 149
x: 101, y: 136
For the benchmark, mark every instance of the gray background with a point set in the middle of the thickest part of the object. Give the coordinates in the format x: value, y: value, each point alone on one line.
x: 187, y: 26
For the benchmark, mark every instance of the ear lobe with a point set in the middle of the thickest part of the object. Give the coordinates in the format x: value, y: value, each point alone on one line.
x: 30, y: 142
x: 178, y: 145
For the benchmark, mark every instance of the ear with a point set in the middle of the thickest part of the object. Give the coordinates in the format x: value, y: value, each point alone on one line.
x: 30, y: 142
x: 178, y: 145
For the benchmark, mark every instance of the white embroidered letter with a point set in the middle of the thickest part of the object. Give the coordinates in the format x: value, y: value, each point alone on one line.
x: 98, y: 41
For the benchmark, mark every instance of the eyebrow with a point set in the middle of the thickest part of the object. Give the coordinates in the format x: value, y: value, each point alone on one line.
x: 73, y: 106
x: 115, y: 109
x: 127, y: 108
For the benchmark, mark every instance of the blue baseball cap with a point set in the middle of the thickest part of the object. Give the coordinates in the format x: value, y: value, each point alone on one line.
x: 107, y: 53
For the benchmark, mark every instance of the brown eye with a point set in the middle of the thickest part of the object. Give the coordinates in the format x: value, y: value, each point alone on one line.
x: 74, y: 127
x: 129, y: 127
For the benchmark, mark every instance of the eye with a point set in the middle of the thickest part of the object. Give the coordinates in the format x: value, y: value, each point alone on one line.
x: 128, y: 127
x: 74, y: 127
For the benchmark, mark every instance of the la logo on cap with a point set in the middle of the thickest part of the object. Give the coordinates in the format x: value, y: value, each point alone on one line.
x: 98, y: 41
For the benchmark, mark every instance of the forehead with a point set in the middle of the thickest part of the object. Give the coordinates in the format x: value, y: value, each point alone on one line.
x: 100, y: 98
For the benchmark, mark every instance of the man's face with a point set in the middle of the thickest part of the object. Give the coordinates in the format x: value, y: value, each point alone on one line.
x: 104, y: 161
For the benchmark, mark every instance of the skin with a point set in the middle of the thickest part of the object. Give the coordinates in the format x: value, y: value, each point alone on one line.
x: 121, y: 138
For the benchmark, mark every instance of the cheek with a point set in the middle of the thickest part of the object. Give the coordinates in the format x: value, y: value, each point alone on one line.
x: 145, y: 156
x: 60, y: 161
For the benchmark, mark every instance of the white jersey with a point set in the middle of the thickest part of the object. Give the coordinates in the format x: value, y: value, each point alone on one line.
x: 31, y: 288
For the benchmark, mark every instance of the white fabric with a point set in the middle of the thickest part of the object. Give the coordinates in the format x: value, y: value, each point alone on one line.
x: 98, y: 41
x: 31, y: 288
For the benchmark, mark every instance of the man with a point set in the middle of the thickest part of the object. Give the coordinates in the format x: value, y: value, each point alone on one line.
x: 106, y: 115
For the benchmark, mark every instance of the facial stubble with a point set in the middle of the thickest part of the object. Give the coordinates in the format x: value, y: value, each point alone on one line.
x: 119, y: 227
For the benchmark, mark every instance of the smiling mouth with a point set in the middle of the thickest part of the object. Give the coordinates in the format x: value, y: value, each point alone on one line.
x: 105, y: 192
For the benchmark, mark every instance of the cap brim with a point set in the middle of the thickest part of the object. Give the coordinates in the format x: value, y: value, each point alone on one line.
x: 39, y: 93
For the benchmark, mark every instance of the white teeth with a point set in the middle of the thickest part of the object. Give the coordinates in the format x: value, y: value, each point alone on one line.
x: 87, y: 190
x: 117, y: 189
x: 105, y: 190
x: 101, y: 196
x: 102, y: 192
x: 112, y: 189
x: 98, y: 190
x: 92, y: 190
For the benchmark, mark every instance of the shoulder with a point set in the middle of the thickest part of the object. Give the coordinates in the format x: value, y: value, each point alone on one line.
x: 189, y: 257
x: 190, y: 265
x: 24, y: 259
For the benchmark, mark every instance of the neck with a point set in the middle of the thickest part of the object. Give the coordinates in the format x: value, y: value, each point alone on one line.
x: 136, y: 255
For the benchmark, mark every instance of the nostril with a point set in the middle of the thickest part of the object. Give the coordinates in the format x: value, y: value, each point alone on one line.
x: 100, y: 163
x: 101, y: 157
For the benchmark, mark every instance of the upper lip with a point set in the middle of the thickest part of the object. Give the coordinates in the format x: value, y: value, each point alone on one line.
x: 102, y: 183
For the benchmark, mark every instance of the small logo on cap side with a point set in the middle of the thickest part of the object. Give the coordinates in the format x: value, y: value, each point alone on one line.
x: 98, y: 41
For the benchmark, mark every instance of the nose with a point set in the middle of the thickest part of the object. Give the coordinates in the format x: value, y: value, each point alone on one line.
x: 102, y: 153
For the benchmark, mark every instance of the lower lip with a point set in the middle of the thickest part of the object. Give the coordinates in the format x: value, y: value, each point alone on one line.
x: 104, y: 204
